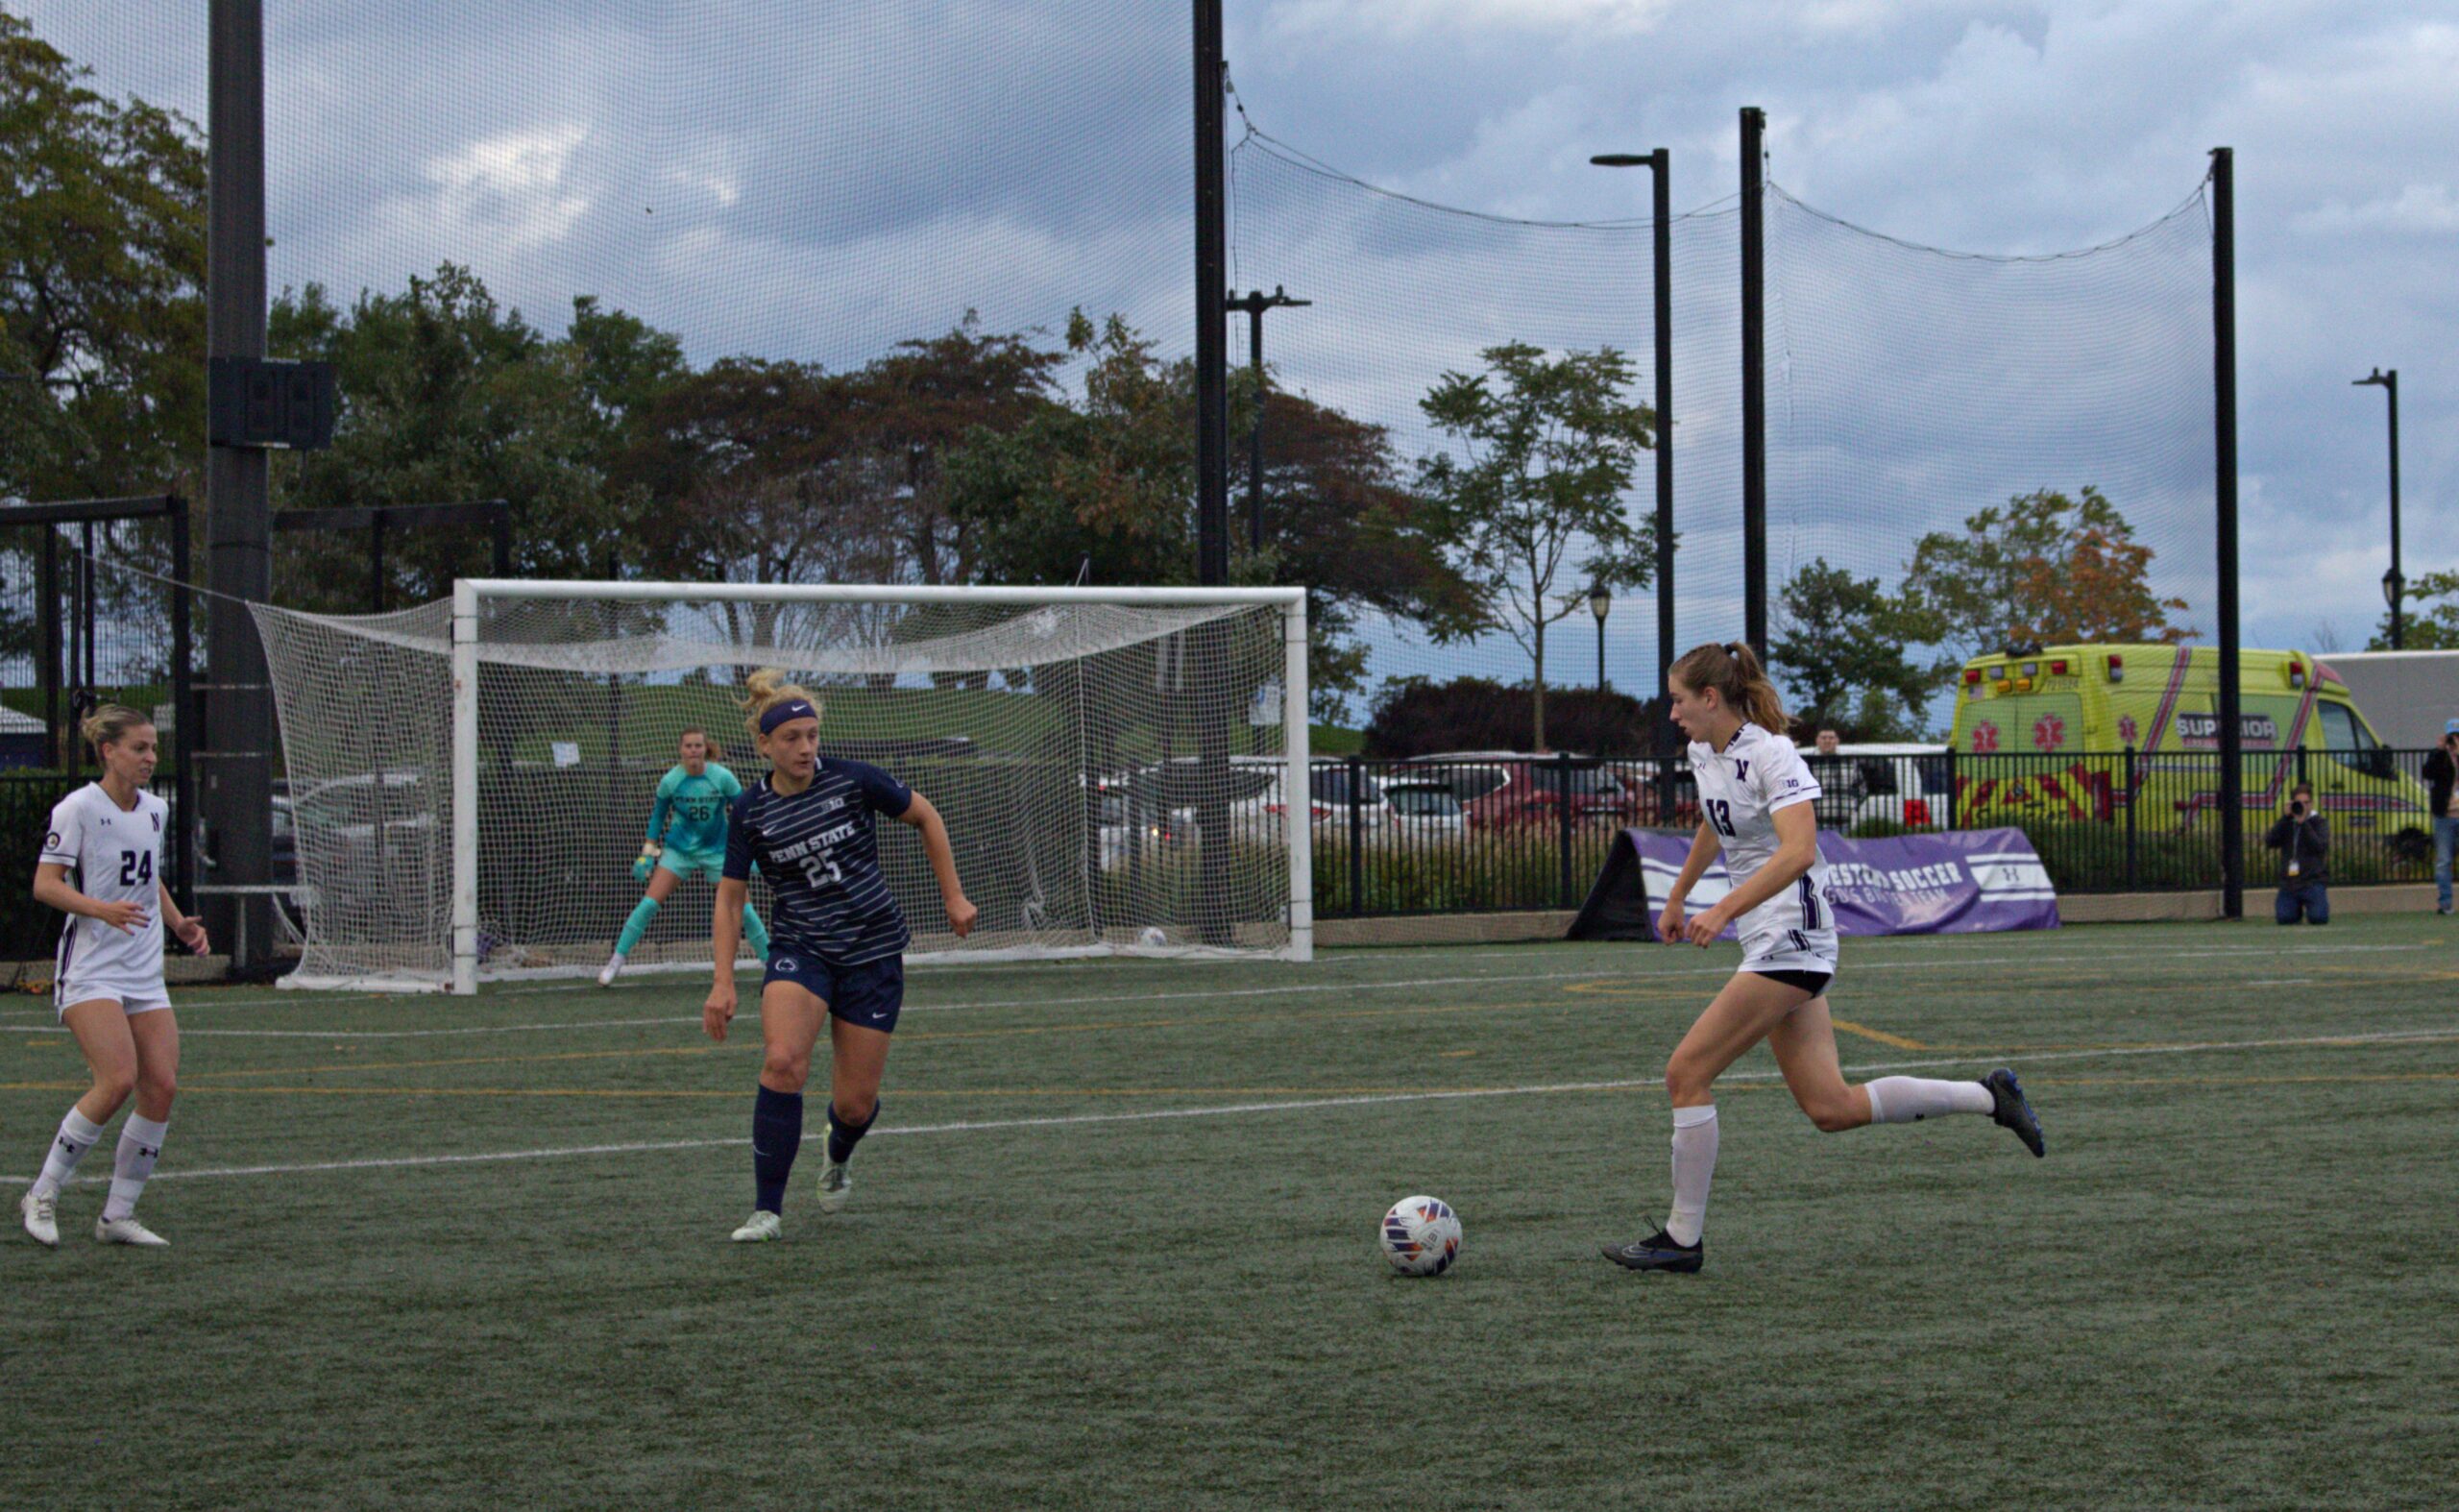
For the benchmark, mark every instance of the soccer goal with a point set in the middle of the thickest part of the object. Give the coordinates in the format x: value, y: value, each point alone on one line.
x: 468, y: 783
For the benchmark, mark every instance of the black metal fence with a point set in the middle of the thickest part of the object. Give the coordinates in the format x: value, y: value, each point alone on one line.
x: 1514, y: 832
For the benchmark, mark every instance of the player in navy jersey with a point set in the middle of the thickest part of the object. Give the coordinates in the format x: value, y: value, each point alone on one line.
x: 1757, y: 801
x: 837, y: 944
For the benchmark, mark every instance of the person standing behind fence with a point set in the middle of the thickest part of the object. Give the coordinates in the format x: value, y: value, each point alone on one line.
x: 2442, y: 775
x: 1840, y: 783
x: 2303, y: 838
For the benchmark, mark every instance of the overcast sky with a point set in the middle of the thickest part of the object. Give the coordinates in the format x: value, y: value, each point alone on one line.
x: 817, y: 180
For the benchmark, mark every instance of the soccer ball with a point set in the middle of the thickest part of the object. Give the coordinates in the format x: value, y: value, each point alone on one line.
x: 1421, y: 1237
x: 1153, y: 939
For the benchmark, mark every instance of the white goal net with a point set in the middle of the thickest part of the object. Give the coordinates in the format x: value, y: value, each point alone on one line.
x: 468, y: 783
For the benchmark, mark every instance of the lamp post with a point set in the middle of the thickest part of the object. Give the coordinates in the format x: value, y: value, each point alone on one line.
x: 1600, y: 603
x: 1253, y: 305
x: 1660, y: 163
x: 2393, y: 583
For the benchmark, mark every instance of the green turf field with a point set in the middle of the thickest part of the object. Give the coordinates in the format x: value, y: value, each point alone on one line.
x: 1114, y: 1244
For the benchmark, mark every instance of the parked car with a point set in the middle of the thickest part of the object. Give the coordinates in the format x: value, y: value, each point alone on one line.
x: 1901, y: 784
x: 1426, y: 808
x: 1500, y: 790
x: 1129, y: 823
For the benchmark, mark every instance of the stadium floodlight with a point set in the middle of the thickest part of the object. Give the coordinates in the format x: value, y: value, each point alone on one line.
x: 467, y: 780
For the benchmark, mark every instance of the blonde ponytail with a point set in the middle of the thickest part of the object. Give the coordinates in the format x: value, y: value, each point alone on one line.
x: 1734, y: 672
x: 108, y: 725
x: 766, y: 689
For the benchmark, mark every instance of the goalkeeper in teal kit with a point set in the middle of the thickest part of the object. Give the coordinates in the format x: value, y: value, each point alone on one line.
x: 686, y: 839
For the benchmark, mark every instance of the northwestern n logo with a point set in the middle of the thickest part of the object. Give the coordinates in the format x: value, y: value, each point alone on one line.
x: 1742, y: 771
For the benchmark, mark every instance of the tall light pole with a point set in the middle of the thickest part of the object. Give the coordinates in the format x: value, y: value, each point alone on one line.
x: 2393, y: 584
x: 1253, y: 305
x: 1661, y: 212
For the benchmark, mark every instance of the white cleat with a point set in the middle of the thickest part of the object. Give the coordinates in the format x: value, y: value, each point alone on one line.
x: 836, y: 1184
x: 614, y: 968
x: 128, y: 1230
x: 763, y: 1227
x: 42, y: 1218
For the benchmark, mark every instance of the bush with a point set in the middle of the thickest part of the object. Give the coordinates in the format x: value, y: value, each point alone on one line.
x: 1415, y: 717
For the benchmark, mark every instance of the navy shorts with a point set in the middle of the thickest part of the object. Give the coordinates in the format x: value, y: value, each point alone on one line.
x: 869, y: 996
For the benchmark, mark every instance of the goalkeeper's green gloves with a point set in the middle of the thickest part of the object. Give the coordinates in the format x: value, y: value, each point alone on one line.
x: 651, y: 851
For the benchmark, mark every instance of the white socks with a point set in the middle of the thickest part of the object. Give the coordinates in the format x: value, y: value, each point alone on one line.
x: 78, y: 1133
x: 1695, y: 1166
x: 1909, y: 1099
x: 140, y: 1145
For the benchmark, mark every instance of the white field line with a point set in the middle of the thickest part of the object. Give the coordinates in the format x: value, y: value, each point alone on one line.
x: 1906, y: 943
x: 1232, y: 1109
x: 1218, y: 994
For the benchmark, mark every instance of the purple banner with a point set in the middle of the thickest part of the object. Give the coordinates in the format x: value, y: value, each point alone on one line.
x: 1957, y: 882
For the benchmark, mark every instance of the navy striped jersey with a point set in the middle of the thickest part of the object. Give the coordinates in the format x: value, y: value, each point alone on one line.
x: 819, y: 850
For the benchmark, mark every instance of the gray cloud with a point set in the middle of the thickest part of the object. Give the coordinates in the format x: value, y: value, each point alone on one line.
x: 817, y: 180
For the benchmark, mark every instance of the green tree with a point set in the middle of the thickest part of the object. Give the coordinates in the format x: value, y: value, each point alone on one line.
x: 1532, y: 504
x: 448, y: 397
x: 2045, y: 568
x: 1101, y: 486
x: 1844, y: 646
x: 2432, y: 618
x: 101, y: 284
x: 918, y: 404
x: 1101, y: 489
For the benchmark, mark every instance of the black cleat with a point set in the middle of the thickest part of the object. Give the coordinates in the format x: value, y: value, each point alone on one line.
x: 2013, y: 1110
x: 1657, y: 1253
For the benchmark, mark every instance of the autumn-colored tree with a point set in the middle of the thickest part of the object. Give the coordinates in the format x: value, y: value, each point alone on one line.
x: 1340, y: 520
x: 2044, y: 567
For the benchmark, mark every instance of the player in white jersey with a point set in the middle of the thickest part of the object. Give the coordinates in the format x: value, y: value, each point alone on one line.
x: 101, y: 864
x: 1756, y: 804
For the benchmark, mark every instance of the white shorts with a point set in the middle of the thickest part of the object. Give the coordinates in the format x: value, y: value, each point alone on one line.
x: 133, y: 997
x: 1789, y: 949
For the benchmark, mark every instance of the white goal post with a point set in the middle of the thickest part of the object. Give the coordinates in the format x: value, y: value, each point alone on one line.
x: 1123, y: 770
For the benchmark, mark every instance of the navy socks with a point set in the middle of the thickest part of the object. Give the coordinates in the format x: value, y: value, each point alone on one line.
x: 843, y: 1137
x: 776, y: 1134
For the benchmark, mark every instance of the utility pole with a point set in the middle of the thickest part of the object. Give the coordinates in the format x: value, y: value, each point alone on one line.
x: 1253, y: 305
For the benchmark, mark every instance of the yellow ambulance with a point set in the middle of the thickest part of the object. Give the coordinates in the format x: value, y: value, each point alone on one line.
x: 2039, y: 732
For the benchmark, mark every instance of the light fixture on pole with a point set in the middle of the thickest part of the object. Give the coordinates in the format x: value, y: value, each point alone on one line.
x: 2392, y: 580
x: 1660, y: 165
x: 1600, y: 603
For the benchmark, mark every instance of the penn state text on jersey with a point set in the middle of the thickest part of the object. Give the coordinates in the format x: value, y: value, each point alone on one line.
x: 819, y: 850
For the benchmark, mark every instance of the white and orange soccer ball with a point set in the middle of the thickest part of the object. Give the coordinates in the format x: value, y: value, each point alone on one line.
x: 1422, y: 1237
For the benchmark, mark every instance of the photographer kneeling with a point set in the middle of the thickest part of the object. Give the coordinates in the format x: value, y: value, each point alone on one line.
x: 2303, y: 838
